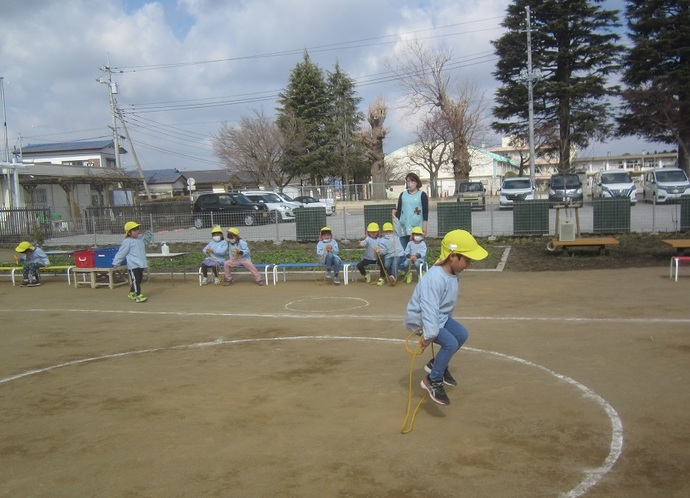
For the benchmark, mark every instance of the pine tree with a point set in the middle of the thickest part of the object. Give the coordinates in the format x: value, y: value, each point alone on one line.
x: 657, y: 74
x: 305, y: 103
x: 345, y: 151
x: 575, y: 50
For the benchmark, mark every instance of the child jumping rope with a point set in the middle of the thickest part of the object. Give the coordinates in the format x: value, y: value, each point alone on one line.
x: 431, y: 308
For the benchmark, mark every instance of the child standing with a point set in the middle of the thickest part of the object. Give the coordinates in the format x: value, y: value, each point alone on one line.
x: 239, y: 256
x: 371, y: 249
x: 34, y: 258
x: 430, y: 309
x: 394, y: 253
x: 415, y: 252
x: 216, y: 252
x: 327, y: 250
x: 133, y: 249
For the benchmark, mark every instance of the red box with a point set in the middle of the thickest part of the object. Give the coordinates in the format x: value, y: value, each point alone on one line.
x: 85, y: 259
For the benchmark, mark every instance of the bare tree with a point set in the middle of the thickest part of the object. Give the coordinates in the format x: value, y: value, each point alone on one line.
x: 423, y: 72
x: 433, y: 148
x: 373, y: 141
x: 256, y: 147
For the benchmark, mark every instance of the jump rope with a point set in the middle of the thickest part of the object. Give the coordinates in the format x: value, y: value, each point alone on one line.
x: 417, y: 351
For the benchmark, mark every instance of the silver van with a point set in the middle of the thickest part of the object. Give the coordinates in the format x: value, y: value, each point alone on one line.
x: 610, y: 184
x: 663, y: 185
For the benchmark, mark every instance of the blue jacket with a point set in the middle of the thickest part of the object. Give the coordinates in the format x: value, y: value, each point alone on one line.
x: 219, y: 251
x: 134, y: 251
x: 321, y: 248
x: 36, y: 256
x: 432, y: 302
x: 241, y: 248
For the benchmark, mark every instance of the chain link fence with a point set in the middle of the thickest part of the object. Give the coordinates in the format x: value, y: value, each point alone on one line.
x: 174, y: 222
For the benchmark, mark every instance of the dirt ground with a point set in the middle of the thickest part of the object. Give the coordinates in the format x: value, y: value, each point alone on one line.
x: 571, y: 384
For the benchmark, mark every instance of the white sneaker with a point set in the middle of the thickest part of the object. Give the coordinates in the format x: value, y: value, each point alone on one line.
x: 204, y: 281
x: 216, y: 281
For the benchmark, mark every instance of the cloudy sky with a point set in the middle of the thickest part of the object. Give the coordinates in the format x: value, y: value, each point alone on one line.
x: 182, y: 67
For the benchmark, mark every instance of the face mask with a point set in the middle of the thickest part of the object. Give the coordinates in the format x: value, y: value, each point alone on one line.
x: 388, y: 235
x: 232, y: 240
x: 411, y: 185
x: 217, y: 238
x: 326, y: 239
x: 418, y: 238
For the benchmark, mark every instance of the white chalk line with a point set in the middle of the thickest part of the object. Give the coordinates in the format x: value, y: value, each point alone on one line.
x: 592, y: 476
x: 362, y: 303
x: 322, y: 314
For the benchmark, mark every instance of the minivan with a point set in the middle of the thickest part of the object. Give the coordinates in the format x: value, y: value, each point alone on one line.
x: 231, y: 209
x: 612, y: 184
x: 565, y: 189
x: 516, y: 188
x: 663, y: 185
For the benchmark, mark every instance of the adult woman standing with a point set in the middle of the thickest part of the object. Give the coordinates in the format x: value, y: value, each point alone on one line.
x: 412, y: 209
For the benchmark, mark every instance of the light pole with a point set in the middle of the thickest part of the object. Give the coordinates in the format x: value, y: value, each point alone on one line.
x: 530, y: 76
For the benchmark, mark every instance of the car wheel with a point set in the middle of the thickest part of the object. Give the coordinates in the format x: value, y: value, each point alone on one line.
x: 249, y: 220
x: 199, y: 222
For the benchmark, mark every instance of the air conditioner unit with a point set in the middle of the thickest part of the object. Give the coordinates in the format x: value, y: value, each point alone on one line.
x: 566, y: 230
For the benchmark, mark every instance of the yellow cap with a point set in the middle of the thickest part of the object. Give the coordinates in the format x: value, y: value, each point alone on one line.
x: 461, y: 242
x: 388, y: 227
x: 216, y: 229
x: 373, y: 227
x: 326, y: 229
x: 234, y: 231
x: 418, y: 231
x: 24, y: 246
x: 130, y: 225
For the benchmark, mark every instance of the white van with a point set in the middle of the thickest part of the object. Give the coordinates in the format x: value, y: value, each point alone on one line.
x: 614, y: 184
x: 515, y: 188
x: 281, y: 210
x: 665, y: 185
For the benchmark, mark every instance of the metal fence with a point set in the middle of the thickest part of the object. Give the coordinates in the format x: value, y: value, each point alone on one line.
x: 104, y: 227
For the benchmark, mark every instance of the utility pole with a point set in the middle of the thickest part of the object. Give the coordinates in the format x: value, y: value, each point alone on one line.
x: 115, y: 111
x: 112, y: 91
x: 530, y: 76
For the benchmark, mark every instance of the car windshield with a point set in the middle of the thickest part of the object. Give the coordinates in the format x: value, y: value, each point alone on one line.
x: 471, y: 187
x: 271, y: 198
x: 671, y: 176
x: 571, y: 181
x: 308, y: 200
x: 618, y: 177
x: 240, y: 198
x: 286, y: 197
x: 517, y: 183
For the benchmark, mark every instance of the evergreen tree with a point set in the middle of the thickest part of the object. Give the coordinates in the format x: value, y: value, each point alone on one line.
x: 657, y: 74
x: 575, y: 50
x: 305, y: 103
x: 345, y: 151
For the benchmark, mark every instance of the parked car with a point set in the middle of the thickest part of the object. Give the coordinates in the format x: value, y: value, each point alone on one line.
x: 308, y: 201
x: 517, y: 188
x: 230, y: 209
x: 663, y: 185
x: 473, y: 193
x: 280, y: 210
x: 289, y: 201
x: 565, y: 189
x: 612, y: 184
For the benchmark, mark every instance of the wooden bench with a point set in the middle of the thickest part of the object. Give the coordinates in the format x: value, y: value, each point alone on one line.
x: 600, y: 242
x: 114, y: 277
x: 46, y: 269
x: 680, y: 245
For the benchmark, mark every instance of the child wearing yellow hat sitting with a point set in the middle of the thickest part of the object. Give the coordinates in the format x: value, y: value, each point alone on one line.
x: 238, y: 251
x: 327, y: 250
x: 34, y: 258
x: 430, y: 309
x: 372, y: 247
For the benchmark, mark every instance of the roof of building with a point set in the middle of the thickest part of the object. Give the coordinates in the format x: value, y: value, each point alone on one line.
x: 209, y: 175
x: 157, y: 176
x: 84, y: 145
